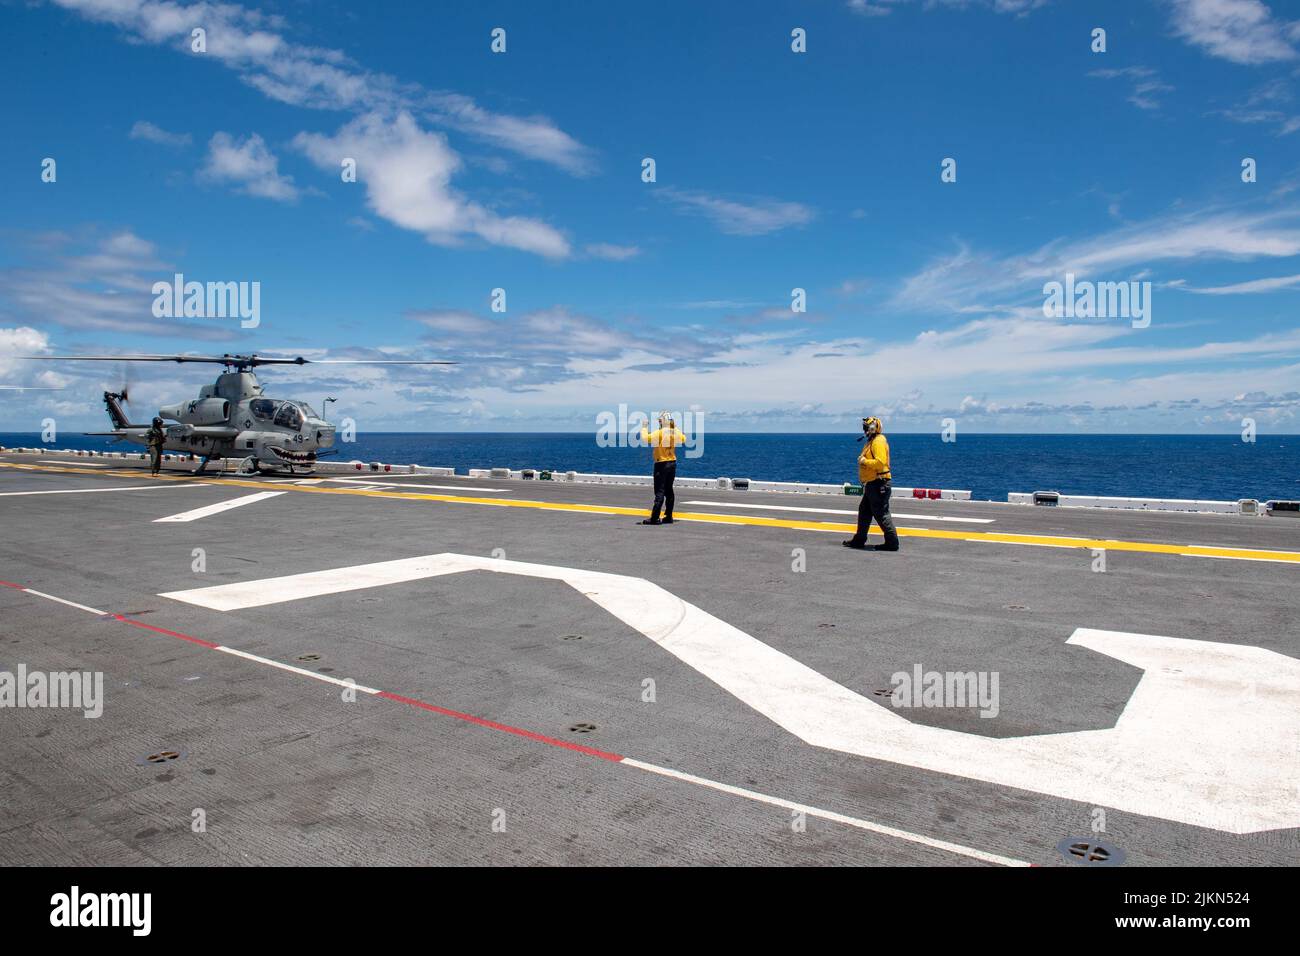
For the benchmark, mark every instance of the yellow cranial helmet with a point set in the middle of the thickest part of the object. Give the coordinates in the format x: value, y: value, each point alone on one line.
x: 871, y: 425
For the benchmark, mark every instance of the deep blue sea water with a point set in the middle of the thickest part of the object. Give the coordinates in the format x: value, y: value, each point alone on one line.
x: 1151, y: 466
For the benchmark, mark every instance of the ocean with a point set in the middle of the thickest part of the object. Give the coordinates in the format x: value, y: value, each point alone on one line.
x: 1220, y: 467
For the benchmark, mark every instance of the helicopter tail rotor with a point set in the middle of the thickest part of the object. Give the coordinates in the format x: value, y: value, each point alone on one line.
x: 124, y: 376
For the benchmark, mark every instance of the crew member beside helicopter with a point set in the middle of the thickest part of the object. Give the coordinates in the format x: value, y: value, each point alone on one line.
x: 156, y: 438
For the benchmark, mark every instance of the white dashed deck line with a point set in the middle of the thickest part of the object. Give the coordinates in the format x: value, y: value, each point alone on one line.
x: 209, y: 510
x: 90, y: 491
x: 326, y: 678
x: 406, y: 484
x: 880, y: 828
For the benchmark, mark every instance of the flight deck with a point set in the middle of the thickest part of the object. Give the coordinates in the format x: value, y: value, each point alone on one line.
x: 407, y: 669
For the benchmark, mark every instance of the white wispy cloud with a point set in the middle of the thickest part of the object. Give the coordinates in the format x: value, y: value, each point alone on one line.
x: 148, y: 132
x: 967, y: 280
x: 533, y: 136
x: 256, y: 46
x: 881, y: 8
x: 1242, y: 31
x: 1249, y: 288
x: 95, y: 282
x: 753, y: 217
x: 1269, y: 104
x: 248, y: 166
x: 1147, y: 84
x: 611, y: 251
x: 995, y: 370
x: 407, y: 172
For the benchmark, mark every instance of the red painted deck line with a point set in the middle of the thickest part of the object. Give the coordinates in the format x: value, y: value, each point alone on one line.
x: 667, y: 772
x: 504, y: 728
x: 163, y: 630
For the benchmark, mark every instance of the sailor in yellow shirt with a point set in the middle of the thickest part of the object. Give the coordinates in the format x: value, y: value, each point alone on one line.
x: 663, y: 442
x: 874, y: 473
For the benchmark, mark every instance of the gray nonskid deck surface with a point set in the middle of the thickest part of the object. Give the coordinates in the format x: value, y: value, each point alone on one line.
x: 287, y: 772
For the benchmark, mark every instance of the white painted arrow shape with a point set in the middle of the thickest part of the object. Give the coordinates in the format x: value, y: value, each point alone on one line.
x: 1209, y: 737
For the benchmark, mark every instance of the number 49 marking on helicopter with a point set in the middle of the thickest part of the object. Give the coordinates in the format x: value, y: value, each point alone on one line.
x: 232, y: 418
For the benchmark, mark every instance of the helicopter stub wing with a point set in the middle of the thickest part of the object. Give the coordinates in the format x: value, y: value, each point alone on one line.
x: 207, y: 431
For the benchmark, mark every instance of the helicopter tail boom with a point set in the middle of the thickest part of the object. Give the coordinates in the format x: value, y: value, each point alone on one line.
x: 113, y: 402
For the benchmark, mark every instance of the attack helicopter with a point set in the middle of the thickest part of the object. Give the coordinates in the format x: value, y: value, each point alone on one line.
x: 232, y: 418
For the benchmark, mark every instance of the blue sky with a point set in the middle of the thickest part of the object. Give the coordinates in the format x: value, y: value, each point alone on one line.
x: 775, y: 170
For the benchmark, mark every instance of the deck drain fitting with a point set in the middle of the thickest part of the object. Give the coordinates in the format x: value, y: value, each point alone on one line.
x: 887, y: 692
x: 309, y: 657
x: 572, y: 637
x: 161, y: 756
x: 583, y: 728
x: 1090, y: 852
x: 1016, y: 607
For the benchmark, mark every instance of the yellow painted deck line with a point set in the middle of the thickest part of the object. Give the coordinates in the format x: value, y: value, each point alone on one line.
x: 983, y: 537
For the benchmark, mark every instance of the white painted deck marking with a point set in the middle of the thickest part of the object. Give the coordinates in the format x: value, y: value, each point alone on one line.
x: 1208, y: 736
x: 91, y: 491
x: 295, y: 670
x: 837, y: 511
x: 406, y: 484
x: 218, y: 508
x: 831, y: 815
x: 79, y: 464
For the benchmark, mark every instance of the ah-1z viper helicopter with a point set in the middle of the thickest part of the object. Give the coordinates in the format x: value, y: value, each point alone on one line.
x: 232, y: 418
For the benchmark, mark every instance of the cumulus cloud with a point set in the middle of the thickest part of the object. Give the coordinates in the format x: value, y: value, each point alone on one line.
x: 23, y: 340
x: 248, y: 166
x: 1241, y: 31
x: 407, y: 172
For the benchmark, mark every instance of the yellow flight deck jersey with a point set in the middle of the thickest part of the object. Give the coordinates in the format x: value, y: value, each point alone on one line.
x: 664, y: 442
x: 873, y: 463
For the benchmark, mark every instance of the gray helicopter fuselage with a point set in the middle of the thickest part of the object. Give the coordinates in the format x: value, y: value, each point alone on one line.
x: 231, y: 418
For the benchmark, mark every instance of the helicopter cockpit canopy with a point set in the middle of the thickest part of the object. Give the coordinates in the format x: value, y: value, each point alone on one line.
x: 283, y: 414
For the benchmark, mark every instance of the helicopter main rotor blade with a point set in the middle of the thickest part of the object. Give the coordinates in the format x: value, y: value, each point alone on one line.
x: 123, y: 358
x: 242, y: 361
